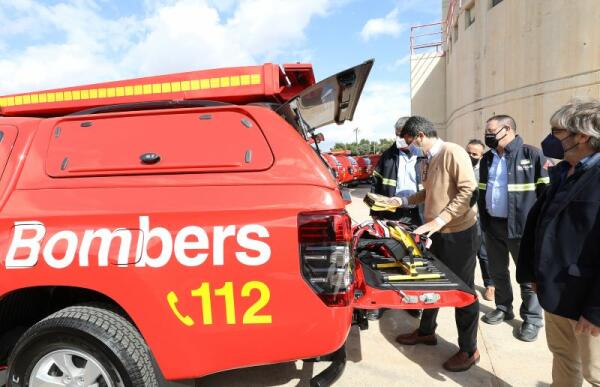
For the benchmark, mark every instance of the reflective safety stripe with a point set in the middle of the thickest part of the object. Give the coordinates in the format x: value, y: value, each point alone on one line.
x: 384, y: 180
x: 482, y: 186
x: 389, y: 182
x: 543, y: 180
x: 521, y: 187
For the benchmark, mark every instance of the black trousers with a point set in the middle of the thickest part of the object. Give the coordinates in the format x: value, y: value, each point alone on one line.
x: 499, y: 246
x: 482, y: 255
x: 457, y: 251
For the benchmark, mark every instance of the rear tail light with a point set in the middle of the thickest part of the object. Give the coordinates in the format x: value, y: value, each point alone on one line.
x: 324, y: 238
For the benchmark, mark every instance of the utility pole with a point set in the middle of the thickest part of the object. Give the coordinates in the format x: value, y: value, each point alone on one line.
x: 356, y: 134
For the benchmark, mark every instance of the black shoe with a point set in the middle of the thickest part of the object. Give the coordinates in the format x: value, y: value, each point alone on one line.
x: 497, y: 316
x: 528, y: 332
x: 416, y: 313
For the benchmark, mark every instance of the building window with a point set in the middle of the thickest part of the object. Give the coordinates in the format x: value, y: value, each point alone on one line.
x: 469, y: 17
x: 496, y: 2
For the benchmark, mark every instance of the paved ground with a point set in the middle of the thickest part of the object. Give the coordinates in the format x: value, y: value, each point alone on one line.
x: 374, y: 359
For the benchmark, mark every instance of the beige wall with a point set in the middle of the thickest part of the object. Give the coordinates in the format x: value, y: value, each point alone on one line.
x: 427, y: 88
x: 524, y: 58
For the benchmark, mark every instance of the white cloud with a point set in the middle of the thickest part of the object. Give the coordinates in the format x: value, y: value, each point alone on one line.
x: 380, y: 105
x: 398, y: 63
x: 80, y: 45
x: 388, y: 25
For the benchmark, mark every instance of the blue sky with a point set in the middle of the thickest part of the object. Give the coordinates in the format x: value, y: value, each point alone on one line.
x: 47, y: 44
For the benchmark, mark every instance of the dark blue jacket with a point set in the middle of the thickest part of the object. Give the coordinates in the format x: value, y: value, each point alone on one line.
x: 527, y: 179
x: 384, y: 178
x: 560, y: 248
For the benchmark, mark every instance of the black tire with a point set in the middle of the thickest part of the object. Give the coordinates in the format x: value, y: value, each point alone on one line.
x: 107, y: 337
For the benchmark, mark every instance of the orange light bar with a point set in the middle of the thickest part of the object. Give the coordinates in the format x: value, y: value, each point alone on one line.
x: 266, y: 83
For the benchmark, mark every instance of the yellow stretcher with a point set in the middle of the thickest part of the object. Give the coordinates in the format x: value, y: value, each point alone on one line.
x: 409, y: 270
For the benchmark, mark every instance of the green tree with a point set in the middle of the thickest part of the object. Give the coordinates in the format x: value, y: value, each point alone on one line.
x: 364, y: 146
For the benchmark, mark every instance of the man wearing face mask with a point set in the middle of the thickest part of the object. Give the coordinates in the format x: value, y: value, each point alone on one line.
x: 396, y: 175
x: 512, y: 177
x: 559, y: 252
x: 475, y: 149
x: 451, y: 216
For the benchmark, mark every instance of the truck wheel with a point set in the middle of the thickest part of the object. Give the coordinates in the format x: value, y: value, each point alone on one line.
x: 81, y: 346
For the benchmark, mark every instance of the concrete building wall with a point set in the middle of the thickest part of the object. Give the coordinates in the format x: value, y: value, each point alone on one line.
x: 428, y: 88
x: 524, y: 58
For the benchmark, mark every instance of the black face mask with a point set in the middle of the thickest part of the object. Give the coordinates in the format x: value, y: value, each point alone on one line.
x: 491, y: 140
x: 474, y: 161
x: 552, y: 147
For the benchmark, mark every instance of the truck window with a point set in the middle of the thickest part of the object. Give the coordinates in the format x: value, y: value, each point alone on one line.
x: 152, y: 142
x: 8, y: 135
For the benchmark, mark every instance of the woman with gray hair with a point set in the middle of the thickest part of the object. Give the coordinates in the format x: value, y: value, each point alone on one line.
x: 561, y: 245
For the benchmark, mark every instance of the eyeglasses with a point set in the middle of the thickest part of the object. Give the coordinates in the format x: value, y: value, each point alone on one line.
x: 556, y: 131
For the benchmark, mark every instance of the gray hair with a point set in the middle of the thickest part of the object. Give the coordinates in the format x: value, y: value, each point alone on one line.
x: 580, y: 117
x: 400, y: 123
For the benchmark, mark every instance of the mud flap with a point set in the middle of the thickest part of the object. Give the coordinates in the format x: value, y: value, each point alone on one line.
x: 332, y: 373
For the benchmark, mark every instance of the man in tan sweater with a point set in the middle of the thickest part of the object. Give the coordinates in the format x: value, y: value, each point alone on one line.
x: 450, y: 218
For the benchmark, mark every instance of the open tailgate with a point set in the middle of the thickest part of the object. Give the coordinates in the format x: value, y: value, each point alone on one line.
x: 374, y: 290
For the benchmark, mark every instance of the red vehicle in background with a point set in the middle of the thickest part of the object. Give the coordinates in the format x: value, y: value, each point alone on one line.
x: 370, y: 166
x: 336, y: 166
x: 355, y: 169
x: 347, y: 166
x: 374, y: 160
x: 363, y: 168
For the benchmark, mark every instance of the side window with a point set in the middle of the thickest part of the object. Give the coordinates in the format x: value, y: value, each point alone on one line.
x: 8, y: 135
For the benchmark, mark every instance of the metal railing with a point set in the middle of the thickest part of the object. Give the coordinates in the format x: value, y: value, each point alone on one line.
x: 434, y: 37
x: 425, y: 37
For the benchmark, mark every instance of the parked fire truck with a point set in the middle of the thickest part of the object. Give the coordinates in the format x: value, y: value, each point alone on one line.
x: 180, y: 225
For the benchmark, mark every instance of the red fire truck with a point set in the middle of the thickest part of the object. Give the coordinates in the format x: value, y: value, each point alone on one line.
x: 180, y: 225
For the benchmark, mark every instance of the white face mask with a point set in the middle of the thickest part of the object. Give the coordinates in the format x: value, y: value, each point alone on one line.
x: 401, y: 143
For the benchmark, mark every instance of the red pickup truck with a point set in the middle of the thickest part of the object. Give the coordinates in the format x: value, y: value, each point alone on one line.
x: 179, y: 225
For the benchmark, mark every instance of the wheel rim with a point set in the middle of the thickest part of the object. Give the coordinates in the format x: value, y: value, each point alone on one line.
x: 69, y: 368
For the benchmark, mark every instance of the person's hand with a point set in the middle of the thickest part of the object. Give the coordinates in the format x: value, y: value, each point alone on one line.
x: 396, y: 201
x: 429, y: 228
x: 584, y: 326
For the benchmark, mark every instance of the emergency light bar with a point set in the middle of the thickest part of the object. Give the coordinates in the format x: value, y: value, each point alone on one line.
x: 266, y: 83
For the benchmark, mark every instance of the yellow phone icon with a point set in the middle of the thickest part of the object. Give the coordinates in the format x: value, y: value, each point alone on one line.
x: 173, y: 300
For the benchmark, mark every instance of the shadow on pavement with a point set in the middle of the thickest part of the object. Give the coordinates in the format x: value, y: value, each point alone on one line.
x: 269, y: 375
x: 279, y: 374
x: 431, y: 358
